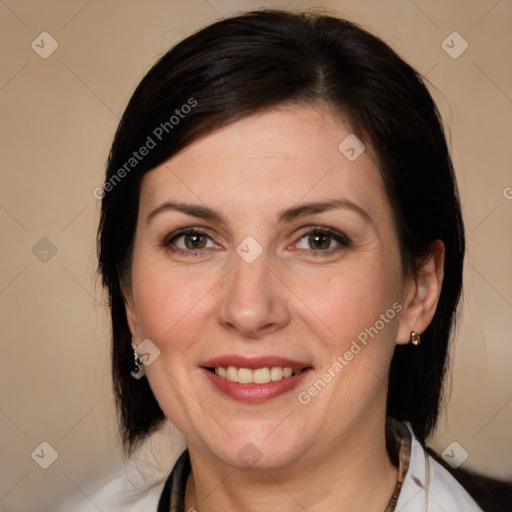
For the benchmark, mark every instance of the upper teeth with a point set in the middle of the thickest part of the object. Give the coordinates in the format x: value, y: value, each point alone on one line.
x: 257, y: 376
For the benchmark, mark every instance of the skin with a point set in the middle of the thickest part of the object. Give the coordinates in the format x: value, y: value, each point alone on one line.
x: 292, y: 301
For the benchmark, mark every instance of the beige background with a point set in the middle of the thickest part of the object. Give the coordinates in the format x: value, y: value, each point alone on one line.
x: 58, y: 118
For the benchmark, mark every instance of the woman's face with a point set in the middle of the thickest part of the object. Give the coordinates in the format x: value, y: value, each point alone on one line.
x: 292, y: 261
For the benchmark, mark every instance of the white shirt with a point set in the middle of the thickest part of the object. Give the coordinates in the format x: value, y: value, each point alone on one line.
x: 429, y: 487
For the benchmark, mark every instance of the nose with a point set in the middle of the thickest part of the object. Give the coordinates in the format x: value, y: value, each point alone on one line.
x: 254, y: 301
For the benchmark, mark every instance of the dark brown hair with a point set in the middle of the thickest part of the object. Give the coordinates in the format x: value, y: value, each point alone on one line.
x: 250, y: 63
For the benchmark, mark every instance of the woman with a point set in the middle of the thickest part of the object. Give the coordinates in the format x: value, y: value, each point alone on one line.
x: 282, y: 242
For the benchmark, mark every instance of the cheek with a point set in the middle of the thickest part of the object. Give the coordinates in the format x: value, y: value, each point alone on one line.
x: 169, y: 302
x: 349, y: 299
x: 360, y: 309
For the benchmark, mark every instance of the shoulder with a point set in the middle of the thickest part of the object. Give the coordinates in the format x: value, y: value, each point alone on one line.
x: 429, y: 486
x: 134, y: 485
x: 117, y: 494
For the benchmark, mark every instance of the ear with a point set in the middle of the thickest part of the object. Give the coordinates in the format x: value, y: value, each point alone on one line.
x: 129, y: 308
x: 422, y: 292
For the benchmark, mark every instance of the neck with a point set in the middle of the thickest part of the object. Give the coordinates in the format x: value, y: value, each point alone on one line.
x: 344, y: 474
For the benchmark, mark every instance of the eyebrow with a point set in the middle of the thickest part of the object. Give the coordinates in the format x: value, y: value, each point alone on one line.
x: 288, y: 215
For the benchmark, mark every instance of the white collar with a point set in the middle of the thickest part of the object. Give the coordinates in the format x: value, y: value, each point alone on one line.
x: 430, y: 487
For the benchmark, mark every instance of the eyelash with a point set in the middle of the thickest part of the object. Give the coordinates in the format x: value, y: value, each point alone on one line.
x: 339, y: 237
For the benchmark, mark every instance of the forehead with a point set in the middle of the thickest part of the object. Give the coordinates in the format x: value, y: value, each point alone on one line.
x: 268, y: 161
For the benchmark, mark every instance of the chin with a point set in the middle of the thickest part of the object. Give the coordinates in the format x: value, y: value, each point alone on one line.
x: 242, y: 453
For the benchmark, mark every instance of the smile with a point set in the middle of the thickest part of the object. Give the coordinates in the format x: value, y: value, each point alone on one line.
x: 257, y: 376
x: 254, y: 380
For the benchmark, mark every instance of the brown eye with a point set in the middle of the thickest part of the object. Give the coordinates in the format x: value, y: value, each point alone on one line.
x: 190, y: 242
x: 195, y: 241
x: 319, y: 241
x: 323, y: 241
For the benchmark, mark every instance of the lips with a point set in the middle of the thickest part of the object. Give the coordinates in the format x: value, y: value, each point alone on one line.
x: 254, y: 380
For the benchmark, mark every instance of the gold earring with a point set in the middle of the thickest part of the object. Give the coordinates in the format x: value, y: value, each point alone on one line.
x: 415, y: 338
